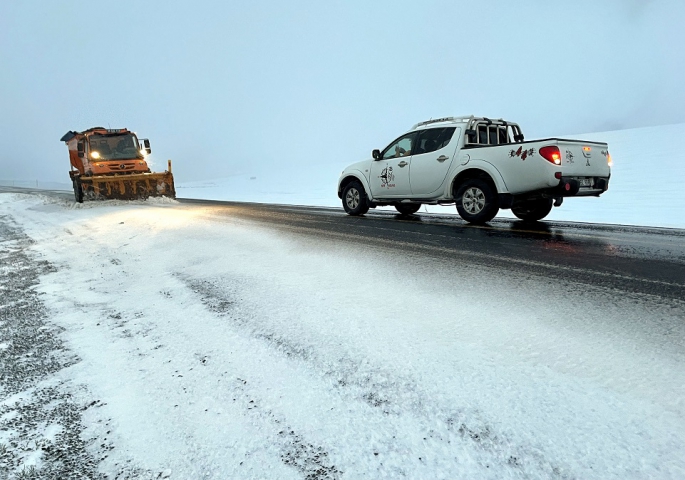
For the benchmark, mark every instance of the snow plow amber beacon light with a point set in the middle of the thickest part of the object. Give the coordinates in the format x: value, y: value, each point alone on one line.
x: 552, y: 154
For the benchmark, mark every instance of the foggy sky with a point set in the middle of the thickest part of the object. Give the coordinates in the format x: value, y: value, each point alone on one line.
x: 226, y: 88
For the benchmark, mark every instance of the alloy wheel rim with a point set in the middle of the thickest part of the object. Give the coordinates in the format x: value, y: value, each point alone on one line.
x: 473, y: 200
x: 352, y: 198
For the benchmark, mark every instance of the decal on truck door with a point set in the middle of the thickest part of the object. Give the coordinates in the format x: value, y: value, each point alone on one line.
x: 522, y: 153
x: 387, y: 177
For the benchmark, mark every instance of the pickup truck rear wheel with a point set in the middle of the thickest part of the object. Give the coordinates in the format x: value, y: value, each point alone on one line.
x: 354, y: 199
x: 476, y: 201
x: 408, y: 208
x: 532, y: 210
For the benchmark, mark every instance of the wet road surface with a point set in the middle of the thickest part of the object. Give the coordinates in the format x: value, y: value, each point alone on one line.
x: 643, y: 260
x: 632, y: 259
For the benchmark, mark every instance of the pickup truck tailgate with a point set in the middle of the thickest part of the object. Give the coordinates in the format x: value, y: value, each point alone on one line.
x: 584, y: 159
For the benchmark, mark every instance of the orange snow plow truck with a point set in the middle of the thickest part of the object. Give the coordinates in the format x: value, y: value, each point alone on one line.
x: 110, y: 164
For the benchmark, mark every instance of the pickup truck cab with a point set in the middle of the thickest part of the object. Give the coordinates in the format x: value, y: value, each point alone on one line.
x: 479, y: 164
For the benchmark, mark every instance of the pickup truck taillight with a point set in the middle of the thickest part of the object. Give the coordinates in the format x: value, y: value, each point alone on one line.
x: 551, y: 154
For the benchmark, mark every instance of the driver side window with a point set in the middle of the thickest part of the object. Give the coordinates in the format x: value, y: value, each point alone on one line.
x: 399, y: 148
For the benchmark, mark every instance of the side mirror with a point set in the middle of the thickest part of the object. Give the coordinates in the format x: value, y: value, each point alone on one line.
x: 376, y: 154
x: 146, y: 143
x: 80, y: 149
x: 471, y: 135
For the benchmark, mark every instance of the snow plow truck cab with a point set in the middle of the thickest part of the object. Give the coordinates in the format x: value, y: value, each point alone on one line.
x: 110, y: 164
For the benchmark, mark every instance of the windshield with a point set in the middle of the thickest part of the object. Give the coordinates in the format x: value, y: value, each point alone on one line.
x: 114, y: 147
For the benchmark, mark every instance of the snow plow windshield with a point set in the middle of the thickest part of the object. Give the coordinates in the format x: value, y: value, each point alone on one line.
x: 114, y: 147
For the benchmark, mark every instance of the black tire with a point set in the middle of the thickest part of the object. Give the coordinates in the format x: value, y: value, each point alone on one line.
x: 78, y: 191
x: 532, y: 210
x: 476, y: 201
x: 354, y: 199
x: 407, y: 208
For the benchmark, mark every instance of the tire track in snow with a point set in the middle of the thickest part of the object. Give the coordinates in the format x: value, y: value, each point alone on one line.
x: 381, y: 389
x: 296, y: 451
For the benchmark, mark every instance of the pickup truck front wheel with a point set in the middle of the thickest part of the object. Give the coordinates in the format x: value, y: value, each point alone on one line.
x: 532, y: 210
x: 354, y: 199
x: 476, y: 201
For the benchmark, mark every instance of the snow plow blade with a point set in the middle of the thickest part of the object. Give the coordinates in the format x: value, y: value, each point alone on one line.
x: 125, y: 187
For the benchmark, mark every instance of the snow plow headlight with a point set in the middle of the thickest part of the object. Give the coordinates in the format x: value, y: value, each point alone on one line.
x: 95, y: 155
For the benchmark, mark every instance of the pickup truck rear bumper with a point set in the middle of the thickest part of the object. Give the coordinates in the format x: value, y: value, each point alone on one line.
x: 580, y: 186
x: 568, y: 187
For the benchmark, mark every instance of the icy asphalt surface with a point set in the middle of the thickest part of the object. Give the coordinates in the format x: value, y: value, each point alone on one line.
x: 148, y: 341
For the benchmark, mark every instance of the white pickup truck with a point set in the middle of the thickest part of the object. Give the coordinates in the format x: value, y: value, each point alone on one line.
x: 479, y: 164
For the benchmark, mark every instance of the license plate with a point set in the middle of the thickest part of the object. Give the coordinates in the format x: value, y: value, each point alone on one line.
x: 585, y: 182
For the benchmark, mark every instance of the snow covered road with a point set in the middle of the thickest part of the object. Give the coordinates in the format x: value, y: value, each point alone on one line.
x: 219, y: 348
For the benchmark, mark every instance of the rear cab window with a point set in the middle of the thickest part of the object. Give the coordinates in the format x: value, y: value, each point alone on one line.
x: 492, y: 134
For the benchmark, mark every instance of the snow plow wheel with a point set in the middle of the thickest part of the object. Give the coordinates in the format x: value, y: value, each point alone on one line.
x: 78, y: 191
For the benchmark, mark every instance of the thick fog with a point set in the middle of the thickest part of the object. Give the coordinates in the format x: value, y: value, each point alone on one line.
x: 223, y: 88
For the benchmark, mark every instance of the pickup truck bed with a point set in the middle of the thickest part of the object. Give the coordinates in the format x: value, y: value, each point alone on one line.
x: 582, y: 169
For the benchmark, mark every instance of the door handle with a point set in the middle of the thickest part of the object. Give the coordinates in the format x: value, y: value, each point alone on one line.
x: 402, y: 164
x: 442, y: 158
